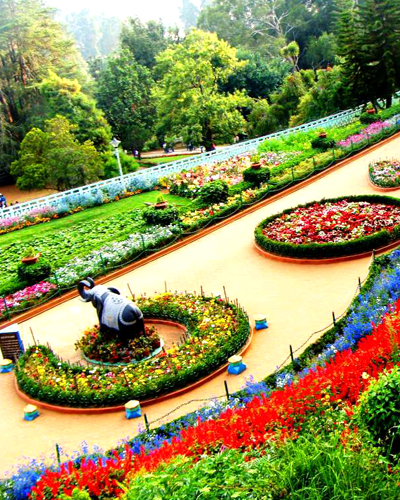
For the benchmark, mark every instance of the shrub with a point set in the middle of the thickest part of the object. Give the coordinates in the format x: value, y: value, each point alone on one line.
x: 367, y: 118
x: 154, y: 216
x: 34, y: 273
x: 256, y: 176
x: 379, y: 409
x: 214, y: 192
x: 323, y: 143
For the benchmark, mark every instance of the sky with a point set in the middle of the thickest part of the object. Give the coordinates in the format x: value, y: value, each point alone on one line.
x: 167, y: 10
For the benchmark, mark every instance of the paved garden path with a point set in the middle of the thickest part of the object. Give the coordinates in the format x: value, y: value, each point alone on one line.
x: 297, y: 299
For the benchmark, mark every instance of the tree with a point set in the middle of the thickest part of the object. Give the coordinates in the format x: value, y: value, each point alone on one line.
x: 291, y: 53
x: 144, y: 41
x: 188, y: 100
x: 369, y: 42
x: 31, y: 43
x: 124, y: 94
x: 62, y: 96
x: 86, y: 31
x: 188, y: 14
x: 260, y: 77
x: 321, y: 51
x: 54, y: 158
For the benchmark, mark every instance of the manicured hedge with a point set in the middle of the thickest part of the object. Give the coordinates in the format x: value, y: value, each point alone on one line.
x: 329, y: 250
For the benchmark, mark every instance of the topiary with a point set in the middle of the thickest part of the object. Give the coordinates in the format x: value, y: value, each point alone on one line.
x: 256, y: 177
x: 164, y: 217
x: 322, y: 143
x: 379, y: 409
x: 34, y: 273
x: 214, y: 192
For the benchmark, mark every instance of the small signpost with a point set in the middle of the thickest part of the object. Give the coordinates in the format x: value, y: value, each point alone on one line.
x: 11, y: 345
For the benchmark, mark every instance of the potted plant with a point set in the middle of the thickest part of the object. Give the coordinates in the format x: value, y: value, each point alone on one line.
x: 30, y: 256
x: 255, y: 161
x: 371, y: 111
x: 322, y: 134
x: 161, y: 203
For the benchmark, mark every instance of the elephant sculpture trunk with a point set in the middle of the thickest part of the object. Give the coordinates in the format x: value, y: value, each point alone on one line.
x: 116, y: 313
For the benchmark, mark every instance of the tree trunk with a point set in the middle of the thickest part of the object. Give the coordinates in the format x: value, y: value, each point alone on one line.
x: 389, y: 101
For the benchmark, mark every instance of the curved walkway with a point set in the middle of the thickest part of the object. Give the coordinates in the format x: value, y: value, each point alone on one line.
x: 297, y: 299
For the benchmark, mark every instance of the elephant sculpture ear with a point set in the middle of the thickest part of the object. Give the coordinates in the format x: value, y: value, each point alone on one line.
x: 114, y: 290
x: 87, y: 283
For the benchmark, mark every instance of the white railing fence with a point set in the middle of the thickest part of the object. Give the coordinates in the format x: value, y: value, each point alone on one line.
x: 150, y: 176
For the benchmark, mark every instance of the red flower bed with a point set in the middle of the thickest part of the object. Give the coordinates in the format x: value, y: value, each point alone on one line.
x: 332, y: 222
x: 280, y: 416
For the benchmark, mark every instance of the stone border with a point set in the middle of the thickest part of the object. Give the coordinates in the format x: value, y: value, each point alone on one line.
x: 147, y: 402
x: 20, y: 318
x: 317, y: 262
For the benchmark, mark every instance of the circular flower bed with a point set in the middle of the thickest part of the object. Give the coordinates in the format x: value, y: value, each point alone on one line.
x: 332, y: 228
x: 385, y: 173
x: 105, y: 348
x: 216, y: 331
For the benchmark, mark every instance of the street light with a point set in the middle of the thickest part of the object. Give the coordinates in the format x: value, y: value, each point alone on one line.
x: 115, y: 143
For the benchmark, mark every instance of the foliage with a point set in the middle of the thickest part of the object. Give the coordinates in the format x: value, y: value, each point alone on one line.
x: 368, y: 118
x: 161, y: 217
x: 123, y: 93
x: 144, y: 41
x: 188, y: 100
x: 34, y: 273
x: 321, y: 51
x: 257, y: 176
x: 111, y: 169
x: 189, y: 13
x: 54, y: 158
x: 369, y: 46
x: 214, y: 192
x: 62, y: 96
x: 323, y: 143
x: 321, y: 250
x: 380, y: 406
x: 31, y: 44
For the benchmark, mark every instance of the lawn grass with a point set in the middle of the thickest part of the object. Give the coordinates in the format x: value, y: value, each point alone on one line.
x: 99, y: 213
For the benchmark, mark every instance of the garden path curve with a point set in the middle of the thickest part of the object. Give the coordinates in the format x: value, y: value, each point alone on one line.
x: 297, y: 299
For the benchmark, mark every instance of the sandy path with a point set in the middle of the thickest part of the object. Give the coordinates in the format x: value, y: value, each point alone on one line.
x: 13, y: 194
x: 298, y: 300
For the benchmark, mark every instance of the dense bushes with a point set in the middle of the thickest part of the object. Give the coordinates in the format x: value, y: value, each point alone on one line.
x: 214, y: 192
x: 323, y: 143
x: 256, y: 176
x: 34, y: 273
x: 154, y: 216
x: 329, y: 250
x: 380, y: 407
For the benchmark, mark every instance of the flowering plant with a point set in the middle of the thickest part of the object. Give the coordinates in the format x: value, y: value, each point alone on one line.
x: 385, y: 173
x: 105, y: 347
x: 371, y: 130
x: 20, y: 299
x: 216, y: 329
x: 332, y: 222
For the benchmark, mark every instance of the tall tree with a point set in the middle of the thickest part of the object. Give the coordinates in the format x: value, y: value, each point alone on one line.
x: 62, y: 96
x: 188, y: 14
x: 86, y: 31
x: 124, y: 94
x: 31, y: 44
x: 369, y: 42
x: 189, y: 102
x: 144, y: 41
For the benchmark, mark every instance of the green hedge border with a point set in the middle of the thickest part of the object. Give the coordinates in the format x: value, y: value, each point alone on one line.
x: 322, y: 251
x: 121, y: 394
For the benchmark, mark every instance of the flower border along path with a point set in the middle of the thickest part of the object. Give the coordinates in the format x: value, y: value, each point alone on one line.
x: 216, y: 331
x: 382, y: 187
x: 290, y: 247
x: 186, y: 239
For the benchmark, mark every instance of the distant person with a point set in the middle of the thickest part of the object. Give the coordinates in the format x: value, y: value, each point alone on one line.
x: 135, y: 153
x: 164, y: 146
x: 3, y: 201
x: 213, y: 147
x: 201, y: 149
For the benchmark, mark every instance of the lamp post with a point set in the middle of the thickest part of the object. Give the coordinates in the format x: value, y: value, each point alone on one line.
x: 115, y: 143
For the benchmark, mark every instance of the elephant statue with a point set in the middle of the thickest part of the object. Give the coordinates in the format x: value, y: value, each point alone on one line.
x: 116, y: 313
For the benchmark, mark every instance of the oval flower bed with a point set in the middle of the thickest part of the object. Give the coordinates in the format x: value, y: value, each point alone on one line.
x: 216, y: 331
x: 100, y: 348
x: 385, y: 173
x: 332, y: 228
